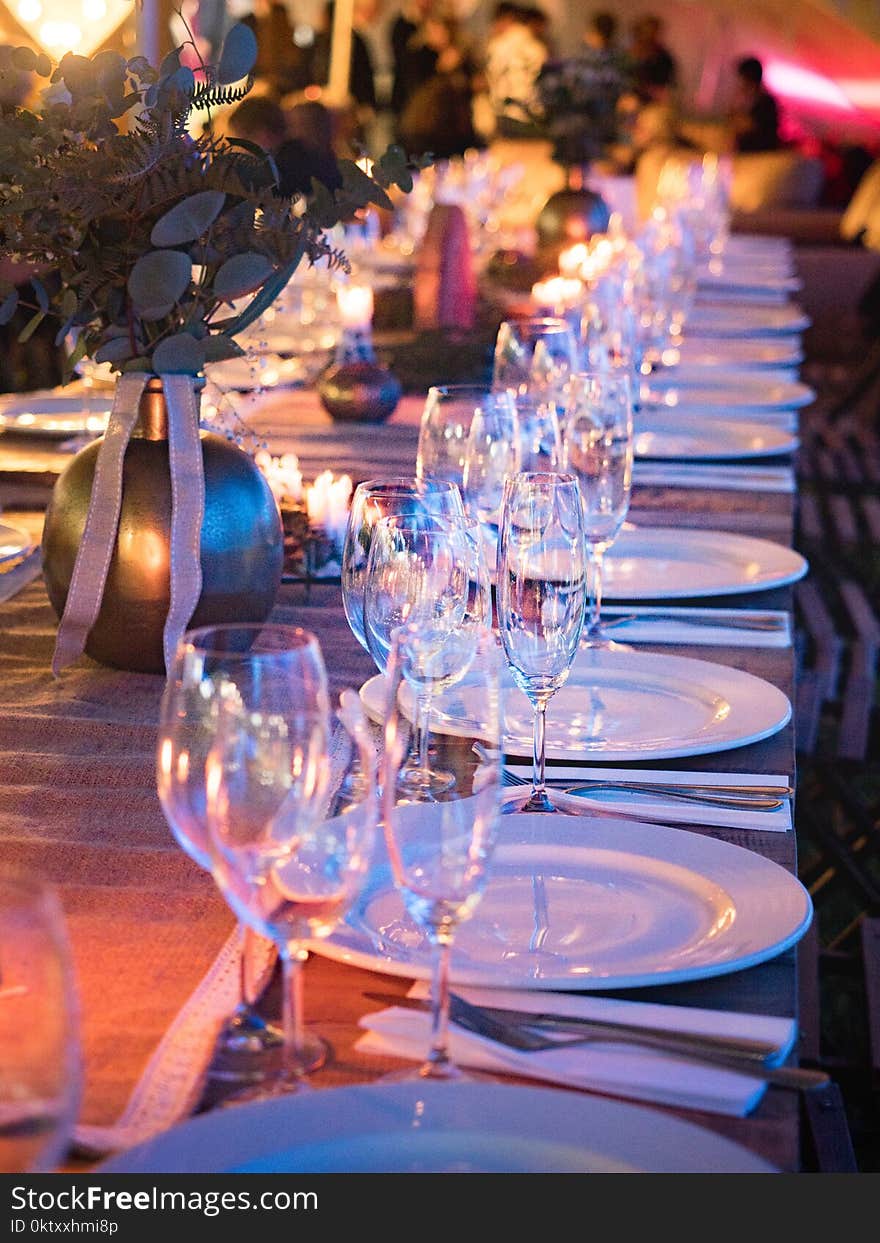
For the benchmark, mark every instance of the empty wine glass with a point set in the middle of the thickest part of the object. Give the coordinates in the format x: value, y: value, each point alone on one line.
x: 395, y: 496
x: 287, y: 865
x: 598, y: 450
x: 493, y: 452
x: 433, y: 575
x: 39, y: 1038
x: 441, y: 854
x: 540, y: 434
x: 445, y: 426
x: 535, y: 355
x: 541, y: 595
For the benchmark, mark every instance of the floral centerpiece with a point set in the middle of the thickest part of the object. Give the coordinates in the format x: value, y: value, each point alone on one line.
x: 154, y: 246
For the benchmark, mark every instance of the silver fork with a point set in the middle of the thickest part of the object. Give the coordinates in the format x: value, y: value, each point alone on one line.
x: 764, y: 798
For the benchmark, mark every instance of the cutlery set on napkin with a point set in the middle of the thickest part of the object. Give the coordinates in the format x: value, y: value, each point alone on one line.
x: 672, y: 1055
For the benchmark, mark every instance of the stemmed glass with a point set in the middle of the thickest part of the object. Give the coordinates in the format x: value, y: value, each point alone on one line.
x: 493, y: 452
x: 395, y: 496
x: 188, y: 716
x: 534, y: 355
x: 440, y: 854
x: 598, y: 450
x: 541, y: 596
x: 540, y: 435
x: 432, y: 575
x: 40, y: 1077
x: 445, y: 426
x: 287, y: 864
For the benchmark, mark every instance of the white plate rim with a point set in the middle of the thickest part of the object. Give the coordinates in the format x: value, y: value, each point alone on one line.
x: 711, y: 859
x: 659, y: 1141
x: 780, y: 395
x: 728, y: 319
x: 771, y: 708
x: 791, y: 565
x: 720, y: 435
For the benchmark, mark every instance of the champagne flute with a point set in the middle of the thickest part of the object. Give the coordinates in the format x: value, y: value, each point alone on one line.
x: 534, y: 355
x: 40, y: 1076
x: 598, y: 449
x: 394, y: 496
x: 541, y: 596
x: 288, y: 865
x: 431, y: 574
x: 441, y: 854
x: 445, y: 426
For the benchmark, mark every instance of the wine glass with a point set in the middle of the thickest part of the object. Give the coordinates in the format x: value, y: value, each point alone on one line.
x: 540, y: 435
x: 598, y: 449
x: 383, y: 498
x: 534, y: 355
x: 433, y: 575
x: 40, y: 1077
x: 493, y: 452
x: 541, y: 595
x: 246, y: 1045
x: 288, y: 863
x: 445, y: 426
x: 440, y: 854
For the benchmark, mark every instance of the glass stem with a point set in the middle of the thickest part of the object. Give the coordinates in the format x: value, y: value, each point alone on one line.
x: 292, y: 959
x: 539, y: 762
x: 245, y: 943
x: 438, y: 1058
x: 597, y: 557
x: 424, y: 716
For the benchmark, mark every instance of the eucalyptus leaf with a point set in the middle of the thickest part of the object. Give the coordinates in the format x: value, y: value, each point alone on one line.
x: 219, y: 347
x: 115, y: 351
x: 239, y: 54
x: 8, y: 307
x: 43, y: 67
x: 241, y: 274
x: 181, y: 354
x: 40, y: 292
x: 24, y: 58
x: 136, y: 364
x: 159, y: 278
x: 267, y: 295
x: 189, y: 219
x: 31, y: 327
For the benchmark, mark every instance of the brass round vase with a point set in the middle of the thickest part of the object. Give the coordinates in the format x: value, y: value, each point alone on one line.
x: 242, y: 545
x: 572, y: 214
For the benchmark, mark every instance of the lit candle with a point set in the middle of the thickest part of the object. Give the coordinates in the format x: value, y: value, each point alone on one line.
x: 558, y: 294
x: 572, y: 260
x: 327, y: 502
x: 283, y: 476
x: 355, y: 304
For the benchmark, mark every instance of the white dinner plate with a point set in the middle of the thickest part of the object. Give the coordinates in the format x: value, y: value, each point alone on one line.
x: 439, y: 1128
x: 732, y: 320
x: 56, y: 414
x: 618, y: 904
x: 746, y: 277
x: 13, y: 543
x: 665, y: 436
x: 741, y: 353
x: 668, y: 563
x: 619, y: 705
x: 745, y: 395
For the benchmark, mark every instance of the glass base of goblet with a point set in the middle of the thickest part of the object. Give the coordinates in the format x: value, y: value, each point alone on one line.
x: 282, y: 1078
x: 423, y: 785
x: 444, y: 1072
x: 248, y: 1049
x: 538, y: 800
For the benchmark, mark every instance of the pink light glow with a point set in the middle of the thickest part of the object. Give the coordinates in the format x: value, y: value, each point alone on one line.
x: 794, y: 82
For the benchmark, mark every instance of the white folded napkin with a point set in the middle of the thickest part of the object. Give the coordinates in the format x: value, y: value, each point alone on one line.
x: 610, y: 1067
x: 726, y: 477
x: 672, y: 626
x: 775, y: 416
x: 741, y: 294
x: 696, y: 375
x: 655, y: 807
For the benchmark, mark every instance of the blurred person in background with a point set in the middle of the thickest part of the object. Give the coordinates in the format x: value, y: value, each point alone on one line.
x: 413, y: 60
x: 438, y: 116
x: 514, y: 59
x: 300, y: 140
x: 755, y: 114
x: 654, y: 68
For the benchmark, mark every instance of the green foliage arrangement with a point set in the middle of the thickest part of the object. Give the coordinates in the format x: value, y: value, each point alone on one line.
x: 144, y: 238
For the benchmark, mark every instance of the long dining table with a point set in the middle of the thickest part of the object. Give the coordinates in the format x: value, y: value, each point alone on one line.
x: 78, y: 800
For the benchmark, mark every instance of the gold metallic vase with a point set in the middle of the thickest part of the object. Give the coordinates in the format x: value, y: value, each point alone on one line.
x: 242, y: 544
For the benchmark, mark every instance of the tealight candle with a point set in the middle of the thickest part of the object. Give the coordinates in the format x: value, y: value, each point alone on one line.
x: 355, y: 304
x: 282, y: 474
x: 327, y: 502
x: 572, y: 260
x: 558, y: 294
